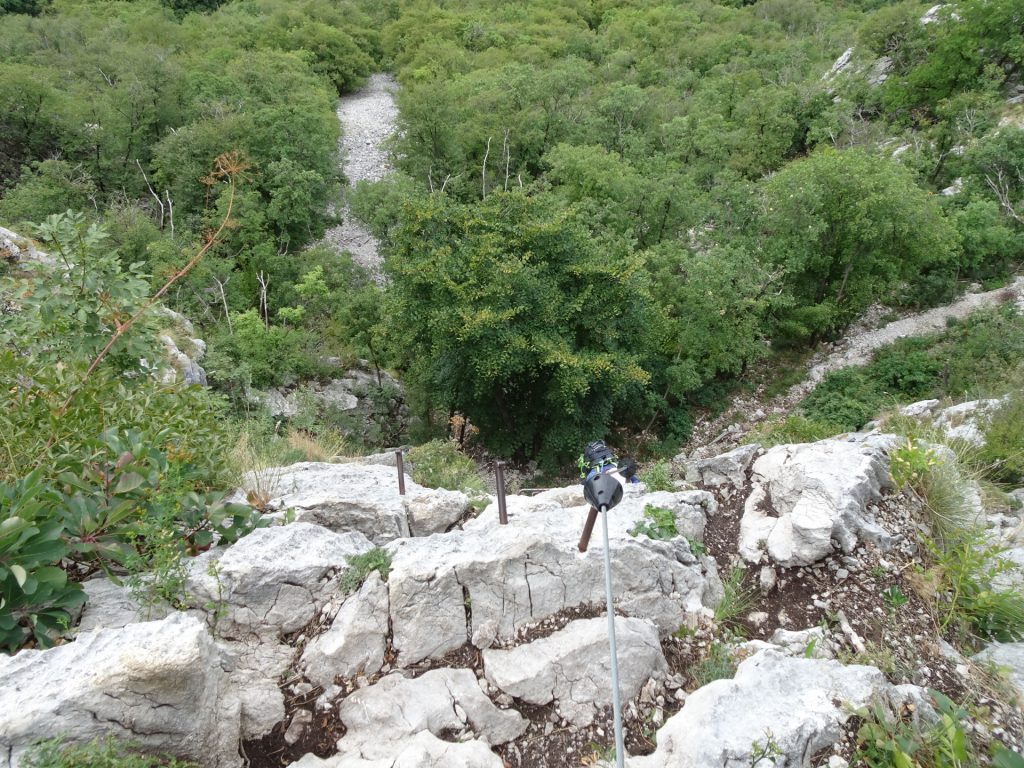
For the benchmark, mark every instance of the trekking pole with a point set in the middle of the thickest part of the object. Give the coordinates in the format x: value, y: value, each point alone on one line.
x: 603, y: 492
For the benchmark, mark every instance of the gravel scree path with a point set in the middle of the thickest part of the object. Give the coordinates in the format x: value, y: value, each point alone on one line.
x: 367, y: 118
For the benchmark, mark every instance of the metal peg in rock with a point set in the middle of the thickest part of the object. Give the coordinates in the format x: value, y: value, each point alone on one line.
x: 499, y: 482
x: 603, y: 492
x: 400, y: 463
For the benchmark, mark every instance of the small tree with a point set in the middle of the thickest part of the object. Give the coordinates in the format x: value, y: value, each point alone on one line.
x: 847, y: 227
x: 510, y: 312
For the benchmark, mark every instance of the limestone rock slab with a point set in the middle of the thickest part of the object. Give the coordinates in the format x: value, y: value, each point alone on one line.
x: 443, y: 588
x: 344, y: 497
x: 355, y: 643
x: 803, y: 702
x: 441, y: 701
x: 423, y: 749
x: 271, y: 582
x: 157, y: 683
x: 805, y: 496
x: 573, y: 666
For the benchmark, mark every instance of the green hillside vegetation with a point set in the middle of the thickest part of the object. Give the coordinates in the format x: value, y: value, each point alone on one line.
x: 603, y: 214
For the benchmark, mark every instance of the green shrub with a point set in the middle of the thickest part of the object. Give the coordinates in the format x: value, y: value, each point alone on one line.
x: 35, y: 595
x: 439, y: 464
x: 99, y: 753
x: 116, y: 507
x: 885, y: 739
x: 717, y: 664
x: 1003, y: 452
x: 847, y: 399
x: 361, y: 566
x: 964, y: 579
x: 658, y: 477
x: 793, y: 429
x: 662, y: 524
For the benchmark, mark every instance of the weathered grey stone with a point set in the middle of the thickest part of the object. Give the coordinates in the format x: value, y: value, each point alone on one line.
x: 254, y: 669
x: 355, y: 643
x: 435, y: 511
x: 964, y: 421
x: 181, y: 367
x: 346, y: 497
x: 804, y: 496
x: 442, y: 701
x: 803, y: 702
x: 157, y: 683
x: 812, y: 642
x: 422, y: 750
x: 271, y: 582
x: 109, y: 606
x: 443, y: 587
x: 572, y: 667
x: 920, y: 408
x: 1009, y: 656
x: 726, y: 469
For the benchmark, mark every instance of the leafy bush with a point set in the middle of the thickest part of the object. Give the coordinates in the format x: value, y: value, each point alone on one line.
x: 662, y: 524
x: 361, y: 566
x: 35, y: 595
x: 886, y: 739
x: 793, y: 429
x: 847, y: 399
x: 1003, y: 452
x: 658, y: 477
x: 910, y: 464
x: 116, y: 509
x: 964, y: 579
x: 99, y: 753
x: 439, y: 464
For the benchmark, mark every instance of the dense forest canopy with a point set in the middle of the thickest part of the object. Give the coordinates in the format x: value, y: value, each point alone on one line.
x: 603, y: 212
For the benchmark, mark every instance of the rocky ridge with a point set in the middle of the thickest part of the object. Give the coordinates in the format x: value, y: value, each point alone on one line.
x: 484, y: 645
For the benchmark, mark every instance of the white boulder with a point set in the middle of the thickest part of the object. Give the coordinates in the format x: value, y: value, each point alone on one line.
x: 435, y: 511
x: 802, y: 703
x: 381, y: 716
x: 725, y: 469
x: 356, y: 641
x: 271, y: 582
x: 159, y: 684
x: 805, y: 496
x: 573, y: 666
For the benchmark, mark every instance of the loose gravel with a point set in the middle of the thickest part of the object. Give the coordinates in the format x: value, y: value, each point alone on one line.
x: 368, y: 117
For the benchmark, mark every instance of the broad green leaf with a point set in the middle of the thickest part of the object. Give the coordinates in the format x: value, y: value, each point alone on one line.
x: 20, y: 575
x: 128, y: 482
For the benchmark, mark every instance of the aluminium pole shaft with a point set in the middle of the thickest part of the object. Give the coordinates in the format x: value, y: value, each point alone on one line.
x: 620, y: 750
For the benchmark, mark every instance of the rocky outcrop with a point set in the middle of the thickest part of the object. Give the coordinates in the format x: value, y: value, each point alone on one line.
x: 272, y: 582
x: 363, y: 498
x: 572, y: 667
x: 444, y: 702
x: 423, y: 749
x: 443, y: 588
x: 806, y: 496
x: 159, y: 684
x: 726, y: 469
x: 110, y: 606
x: 799, y: 704
x: 356, y: 641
